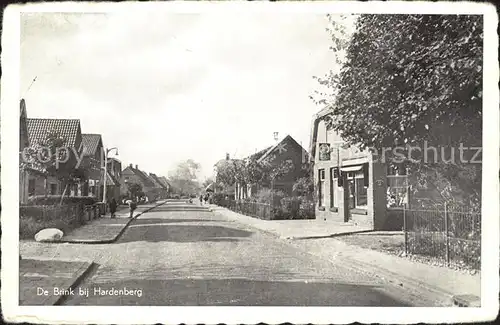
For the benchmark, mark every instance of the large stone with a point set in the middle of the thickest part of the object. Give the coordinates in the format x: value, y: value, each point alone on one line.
x: 49, y: 235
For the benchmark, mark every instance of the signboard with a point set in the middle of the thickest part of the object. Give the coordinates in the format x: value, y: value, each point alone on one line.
x: 324, y: 151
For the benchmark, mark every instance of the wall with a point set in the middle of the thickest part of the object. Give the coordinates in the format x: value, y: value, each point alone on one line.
x: 376, y: 204
x: 35, y: 218
x: 40, y: 184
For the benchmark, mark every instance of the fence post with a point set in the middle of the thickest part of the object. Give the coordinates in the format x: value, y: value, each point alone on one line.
x: 446, y: 233
x: 405, y: 228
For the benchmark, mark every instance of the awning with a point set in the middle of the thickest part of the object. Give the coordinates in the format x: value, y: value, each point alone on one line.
x: 351, y: 168
x: 210, y: 187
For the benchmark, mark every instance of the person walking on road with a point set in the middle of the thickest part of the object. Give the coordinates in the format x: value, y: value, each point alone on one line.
x: 132, y: 205
x: 201, y: 199
x: 112, y: 207
x: 206, y: 198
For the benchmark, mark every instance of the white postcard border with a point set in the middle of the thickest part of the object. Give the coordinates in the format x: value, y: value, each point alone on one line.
x: 272, y: 315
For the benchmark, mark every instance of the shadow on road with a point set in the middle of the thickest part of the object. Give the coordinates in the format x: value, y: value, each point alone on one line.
x: 161, y: 230
x: 234, y: 292
x: 168, y: 221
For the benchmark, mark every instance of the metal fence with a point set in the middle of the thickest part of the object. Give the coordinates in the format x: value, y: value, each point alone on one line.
x: 449, y: 234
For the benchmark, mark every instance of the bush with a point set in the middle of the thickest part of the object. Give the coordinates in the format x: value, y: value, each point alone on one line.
x: 56, y: 199
x: 266, y: 195
x: 290, y: 207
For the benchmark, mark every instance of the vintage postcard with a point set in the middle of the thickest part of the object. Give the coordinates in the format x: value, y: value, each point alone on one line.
x: 245, y: 162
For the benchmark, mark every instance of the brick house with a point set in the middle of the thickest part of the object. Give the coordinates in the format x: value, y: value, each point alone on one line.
x: 70, y: 130
x: 92, y: 163
x: 162, y: 188
x: 285, y: 150
x: 135, y: 175
x: 165, y: 183
x: 350, y: 184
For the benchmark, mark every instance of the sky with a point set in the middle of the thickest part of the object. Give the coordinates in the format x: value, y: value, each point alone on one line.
x: 166, y: 87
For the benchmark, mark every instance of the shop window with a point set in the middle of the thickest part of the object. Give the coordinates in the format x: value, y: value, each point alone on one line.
x: 358, y: 192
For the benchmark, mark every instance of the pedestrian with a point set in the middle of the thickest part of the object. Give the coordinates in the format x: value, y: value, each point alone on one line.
x: 201, y: 199
x: 206, y: 198
x: 112, y: 207
x: 132, y: 205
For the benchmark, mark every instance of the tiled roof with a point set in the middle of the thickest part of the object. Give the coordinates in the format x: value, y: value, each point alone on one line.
x: 164, y: 181
x: 259, y: 154
x: 144, y: 177
x: 158, y: 181
x: 67, y: 128
x: 272, y: 148
x: 90, y: 143
x: 155, y: 180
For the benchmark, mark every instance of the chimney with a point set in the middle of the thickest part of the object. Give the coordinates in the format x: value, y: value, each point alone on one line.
x: 136, y: 166
x: 130, y: 166
x: 227, y: 156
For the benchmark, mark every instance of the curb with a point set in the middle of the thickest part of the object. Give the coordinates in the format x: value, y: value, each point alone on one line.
x: 275, y: 234
x: 362, y: 267
x: 397, y: 277
x: 76, y: 282
x: 269, y: 232
x: 111, y: 240
x: 332, y: 235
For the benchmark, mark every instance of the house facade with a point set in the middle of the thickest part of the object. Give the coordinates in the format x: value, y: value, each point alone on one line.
x: 92, y: 163
x: 162, y: 187
x: 287, y: 150
x: 350, y: 184
x: 70, y: 130
x: 166, y: 184
x: 133, y: 174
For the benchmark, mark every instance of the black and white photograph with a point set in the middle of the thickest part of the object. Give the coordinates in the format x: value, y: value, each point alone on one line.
x: 250, y: 155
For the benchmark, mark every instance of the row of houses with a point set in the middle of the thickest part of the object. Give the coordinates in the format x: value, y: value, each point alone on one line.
x: 88, y: 160
x: 350, y: 185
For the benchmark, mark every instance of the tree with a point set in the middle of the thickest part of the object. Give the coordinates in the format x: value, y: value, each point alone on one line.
x: 185, y: 177
x: 134, y: 189
x: 411, y: 80
x: 304, y: 186
x: 250, y: 172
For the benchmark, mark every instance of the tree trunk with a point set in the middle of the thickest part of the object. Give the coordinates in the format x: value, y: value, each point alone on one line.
x: 45, y: 186
x: 64, y: 193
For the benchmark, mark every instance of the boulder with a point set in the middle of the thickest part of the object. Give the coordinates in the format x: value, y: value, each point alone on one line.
x: 49, y: 235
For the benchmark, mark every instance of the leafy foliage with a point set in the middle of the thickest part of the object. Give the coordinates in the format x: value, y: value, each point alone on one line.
x: 184, y: 178
x: 411, y: 80
x: 135, y: 189
x: 251, y: 171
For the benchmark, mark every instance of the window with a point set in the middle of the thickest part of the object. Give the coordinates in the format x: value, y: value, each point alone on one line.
x: 31, y: 187
x: 358, y: 193
x: 333, y: 186
x: 321, y: 187
x: 53, y: 189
